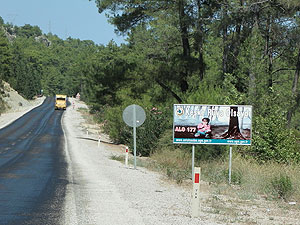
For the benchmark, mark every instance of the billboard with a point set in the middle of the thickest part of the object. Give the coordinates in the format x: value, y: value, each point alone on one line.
x: 212, y: 124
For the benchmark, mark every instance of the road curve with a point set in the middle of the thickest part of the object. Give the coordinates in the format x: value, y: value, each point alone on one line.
x: 33, y: 168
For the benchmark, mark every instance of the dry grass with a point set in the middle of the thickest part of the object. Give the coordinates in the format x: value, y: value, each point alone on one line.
x: 250, y: 180
x: 175, y: 164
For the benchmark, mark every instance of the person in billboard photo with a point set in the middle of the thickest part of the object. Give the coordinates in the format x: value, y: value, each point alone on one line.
x: 204, y: 129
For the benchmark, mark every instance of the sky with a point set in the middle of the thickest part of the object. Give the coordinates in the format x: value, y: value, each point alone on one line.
x: 64, y: 18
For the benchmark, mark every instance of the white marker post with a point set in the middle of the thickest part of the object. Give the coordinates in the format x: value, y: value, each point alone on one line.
x: 196, y: 193
x: 87, y: 133
x: 99, y: 142
x: 126, y: 156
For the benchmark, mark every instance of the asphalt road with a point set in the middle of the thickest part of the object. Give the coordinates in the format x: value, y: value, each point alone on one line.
x: 33, y: 168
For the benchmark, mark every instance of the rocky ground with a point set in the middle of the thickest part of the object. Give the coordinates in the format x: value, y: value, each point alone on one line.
x: 17, y: 105
x: 105, y: 191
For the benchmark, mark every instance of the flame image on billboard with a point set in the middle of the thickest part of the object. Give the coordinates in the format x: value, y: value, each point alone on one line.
x: 212, y: 124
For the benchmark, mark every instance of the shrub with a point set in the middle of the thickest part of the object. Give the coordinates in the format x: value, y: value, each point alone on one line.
x: 272, y: 140
x: 282, y: 186
x: 149, y: 133
x: 114, y: 126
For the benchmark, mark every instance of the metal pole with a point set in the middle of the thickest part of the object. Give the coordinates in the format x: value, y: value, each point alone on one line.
x: 193, y: 161
x: 230, y: 159
x: 134, y: 135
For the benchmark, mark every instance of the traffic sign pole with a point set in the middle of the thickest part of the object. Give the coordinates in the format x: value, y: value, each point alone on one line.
x: 134, y: 116
x: 134, y: 134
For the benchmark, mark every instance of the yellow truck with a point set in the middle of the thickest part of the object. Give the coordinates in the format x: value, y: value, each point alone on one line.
x: 61, y: 102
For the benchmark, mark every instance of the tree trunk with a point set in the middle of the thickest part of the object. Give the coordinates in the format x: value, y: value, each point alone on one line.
x: 185, y: 44
x: 225, y: 47
x: 199, y: 42
x: 169, y: 90
x: 269, y: 51
x: 184, y: 29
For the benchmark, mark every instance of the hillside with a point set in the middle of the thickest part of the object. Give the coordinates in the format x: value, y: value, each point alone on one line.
x: 13, y: 101
x: 13, y: 105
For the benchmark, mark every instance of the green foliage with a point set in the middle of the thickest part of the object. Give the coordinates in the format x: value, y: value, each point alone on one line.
x: 272, y: 140
x: 213, y: 58
x: 5, y: 57
x: 231, y: 95
x: 118, y: 131
x: 28, y: 31
x: 206, y: 93
x: 149, y: 133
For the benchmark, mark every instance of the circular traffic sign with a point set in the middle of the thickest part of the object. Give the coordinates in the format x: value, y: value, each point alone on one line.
x: 134, y: 115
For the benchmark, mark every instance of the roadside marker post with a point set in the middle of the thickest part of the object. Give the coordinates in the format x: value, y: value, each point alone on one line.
x: 196, y: 192
x: 126, y: 156
x: 99, y: 141
x: 87, y: 133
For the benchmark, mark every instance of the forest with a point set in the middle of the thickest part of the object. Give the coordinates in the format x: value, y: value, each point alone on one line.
x: 228, y: 52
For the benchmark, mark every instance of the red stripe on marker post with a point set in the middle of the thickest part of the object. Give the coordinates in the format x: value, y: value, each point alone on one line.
x: 197, y: 178
x: 126, y: 149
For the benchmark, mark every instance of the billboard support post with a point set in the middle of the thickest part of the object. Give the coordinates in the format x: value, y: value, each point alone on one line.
x: 230, y: 162
x: 193, y: 161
